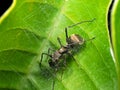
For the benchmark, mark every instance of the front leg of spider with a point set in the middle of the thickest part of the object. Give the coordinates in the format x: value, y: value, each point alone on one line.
x: 59, y: 41
x: 66, y: 35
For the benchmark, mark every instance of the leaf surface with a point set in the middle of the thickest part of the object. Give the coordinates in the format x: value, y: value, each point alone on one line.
x: 33, y: 26
x: 115, y: 25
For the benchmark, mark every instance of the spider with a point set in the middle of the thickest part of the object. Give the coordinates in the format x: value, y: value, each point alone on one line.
x: 57, y: 58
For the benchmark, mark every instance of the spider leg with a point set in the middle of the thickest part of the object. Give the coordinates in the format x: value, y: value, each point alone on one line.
x: 64, y: 65
x: 73, y: 58
x: 50, y: 49
x: 66, y: 34
x: 42, y: 57
x: 59, y: 41
x: 53, y: 85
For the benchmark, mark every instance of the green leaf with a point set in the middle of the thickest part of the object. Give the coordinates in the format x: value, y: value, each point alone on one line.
x: 32, y: 26
x: 115, y: 24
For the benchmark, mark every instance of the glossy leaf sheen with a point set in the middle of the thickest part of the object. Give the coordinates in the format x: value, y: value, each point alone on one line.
x: 116, y: 34
x: 34, y: 25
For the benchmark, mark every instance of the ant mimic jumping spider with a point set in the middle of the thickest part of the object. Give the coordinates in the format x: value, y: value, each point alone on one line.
x: 58, y: 59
